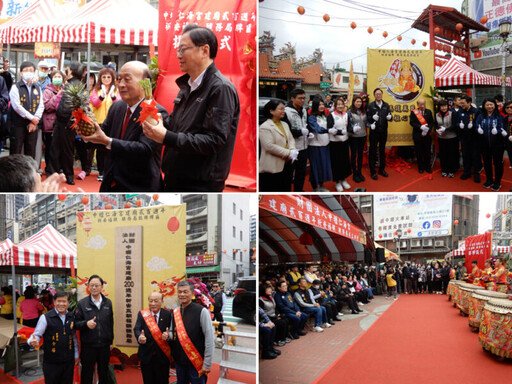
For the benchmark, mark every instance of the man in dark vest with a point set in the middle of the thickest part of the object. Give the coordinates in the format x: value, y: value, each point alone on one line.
x: 60, y: 345
x: 26, y: 110
x: 191, y: 335
x: 152, y: 332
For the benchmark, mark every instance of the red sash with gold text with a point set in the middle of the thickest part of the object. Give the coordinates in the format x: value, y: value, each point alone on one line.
x: 156, y: 332
x: 420, y: 117
x: 187, y: 345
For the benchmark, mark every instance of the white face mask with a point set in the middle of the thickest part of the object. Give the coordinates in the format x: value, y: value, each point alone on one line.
x: 28, y: 76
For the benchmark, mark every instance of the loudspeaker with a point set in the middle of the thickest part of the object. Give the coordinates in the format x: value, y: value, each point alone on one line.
x: 380, y: 255
x: 367, y: 256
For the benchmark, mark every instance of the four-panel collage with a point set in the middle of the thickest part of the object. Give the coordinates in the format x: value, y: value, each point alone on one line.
x: 271, y: 191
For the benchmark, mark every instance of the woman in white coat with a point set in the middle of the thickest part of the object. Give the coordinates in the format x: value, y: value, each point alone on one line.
x: 277, y: 150
x: 339, y: 147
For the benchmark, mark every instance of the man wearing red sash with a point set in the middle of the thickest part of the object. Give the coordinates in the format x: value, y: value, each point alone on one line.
x: 422, y: 122
x: 151, y: 331
x: 192, y: 339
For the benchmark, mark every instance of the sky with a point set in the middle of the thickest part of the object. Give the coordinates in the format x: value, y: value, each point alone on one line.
x: 338, y: 41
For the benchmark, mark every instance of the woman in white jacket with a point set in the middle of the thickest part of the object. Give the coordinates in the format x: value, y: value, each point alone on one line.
x: 339, y: 147
x: 277, y: 150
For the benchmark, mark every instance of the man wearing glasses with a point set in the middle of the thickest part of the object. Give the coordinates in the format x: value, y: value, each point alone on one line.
x: 199, y: 135
x: 95, y: 321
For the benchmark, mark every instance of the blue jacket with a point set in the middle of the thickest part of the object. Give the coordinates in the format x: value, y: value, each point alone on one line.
x: 285, y: 303
x: 487, y: 123
x: 466, y: 117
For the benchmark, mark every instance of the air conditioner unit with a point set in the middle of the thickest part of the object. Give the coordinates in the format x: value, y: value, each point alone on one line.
x: 403, y: 244
x: 427, y: 242
x: 188, y: 227
x: 415, y: 243
x: 439, y: 243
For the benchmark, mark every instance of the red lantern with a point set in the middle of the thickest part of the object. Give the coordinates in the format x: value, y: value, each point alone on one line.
x: 399, y: 38
x: 173, y: 224
x: 61, y: 196
x: 424, y: 44
x: 301, y: 10
x: 413, y: 41
x: 155, y: 196
x: 306, y: 239
x: 385, y: 34
x: 505, y: 211
x: 85, y: 199
x: 127, y: 205
x: 396, y: 233
x: 138, y: 203
x: 370, y: 30
x: 437, y: 30
x: 448, y: 49
x: 484, y: 19
x: 456, y: 222
x: 459, y: 27
x: 108, y: 206
x: 380, y: 235
x: 408, y: 230
x: 353, y: 25
x: 488, y: 215
x: 326, y: 18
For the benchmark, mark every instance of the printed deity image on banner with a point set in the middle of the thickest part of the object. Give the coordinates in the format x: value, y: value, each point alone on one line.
x: 404, y: 80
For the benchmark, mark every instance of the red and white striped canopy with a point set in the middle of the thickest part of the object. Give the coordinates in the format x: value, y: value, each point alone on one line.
x: 130, y: 22
x: 455, y: 73
x: 47, y: 248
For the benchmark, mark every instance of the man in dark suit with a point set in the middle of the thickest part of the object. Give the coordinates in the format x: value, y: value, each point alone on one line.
x: 152, y: 332
x: 422, y: 122
x: 132, y: 162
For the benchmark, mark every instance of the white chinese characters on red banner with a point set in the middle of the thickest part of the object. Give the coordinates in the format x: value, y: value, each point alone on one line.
x: 200, y: 260
x: 307, y: 211
x: 477, y: 248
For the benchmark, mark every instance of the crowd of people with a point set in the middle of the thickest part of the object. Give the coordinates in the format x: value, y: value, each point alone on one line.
x: 289, y: 295
x: 494, y: 276
x: 197, y: 139
x: 332, y: 136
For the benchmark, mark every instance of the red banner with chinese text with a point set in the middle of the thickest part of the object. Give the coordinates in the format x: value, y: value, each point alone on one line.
x: 478, y: 248
x: 301, y: 209
x: 234, y: 23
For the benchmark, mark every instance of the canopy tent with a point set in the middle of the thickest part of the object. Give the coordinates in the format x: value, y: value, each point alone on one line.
x: 460, y: 251
x: 281, y: 237
x: 388, y: 254
x: 455, y: 73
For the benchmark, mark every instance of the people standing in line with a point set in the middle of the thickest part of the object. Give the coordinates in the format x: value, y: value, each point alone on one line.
x: 357, y: 137
x: 319, y: 157
x: 152, y: 333
x: 51, y: 99
x: 465, y: 121
x: 507, y: 122
x: 339, y: 148
x: 191, y: 337
x: 378, y: 114
x: 105, y: 93
x: 277, y: 150
x: 448, y: 140
x: 422, y: 122
x: 437, y: 285
x: 43, y: 80
x: 422, y: 280
x: 60, y: 345
x: 491, y: 127
x: 95, y: 321
x: 25, y: 112
x: 297, y: 118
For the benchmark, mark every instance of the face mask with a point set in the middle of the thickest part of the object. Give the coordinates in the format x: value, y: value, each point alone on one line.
x: 28, y: 76
x: 43, y: 75
x: 57, y: 81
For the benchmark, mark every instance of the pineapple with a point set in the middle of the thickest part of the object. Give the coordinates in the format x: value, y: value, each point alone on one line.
x: 77, y: 99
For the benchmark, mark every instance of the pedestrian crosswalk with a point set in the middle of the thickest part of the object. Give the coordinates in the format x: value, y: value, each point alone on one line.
x: 228, y: 312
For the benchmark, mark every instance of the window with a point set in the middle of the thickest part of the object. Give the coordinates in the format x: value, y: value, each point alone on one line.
x: 241, y: 215
x: 234, y: 209
x: 241, y: 236
x: 234, y: 232
x: 346, y: 79
x: 241, y: 254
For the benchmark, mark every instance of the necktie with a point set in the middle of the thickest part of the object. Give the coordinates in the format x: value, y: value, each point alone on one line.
x: 126, y: 121
x: 156, y: 320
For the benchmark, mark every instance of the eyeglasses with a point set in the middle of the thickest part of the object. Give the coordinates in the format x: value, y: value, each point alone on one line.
x: 180, y: 50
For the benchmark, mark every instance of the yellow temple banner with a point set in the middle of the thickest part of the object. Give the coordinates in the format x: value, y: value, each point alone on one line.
x: 404, y: 75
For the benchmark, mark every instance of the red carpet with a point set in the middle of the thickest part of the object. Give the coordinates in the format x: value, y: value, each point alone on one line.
x: 421, y: 340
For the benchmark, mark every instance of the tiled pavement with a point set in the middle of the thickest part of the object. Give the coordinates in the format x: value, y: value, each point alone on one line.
x: 305, y: 359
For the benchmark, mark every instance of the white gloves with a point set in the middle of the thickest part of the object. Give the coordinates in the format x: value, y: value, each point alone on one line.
x: 494, y: 131
x: 343, y: 132
x: 503, y: 132
x: 424, y: 133
x: 510, y: 138
x: 470, y: 125
x: 424, y: 127
x: 103, y: 90
x: 357, y: 128
x: 333, y: 131
x: 311, y: 136
x: 372, y: 126
x: 304, y: 131
x: 388, y: 117
x: 376, y: 117
x: 461, y: 125
x: 480, y: 130
x: 294, y: 154
x: 441, y: 130
x: 111, y: 93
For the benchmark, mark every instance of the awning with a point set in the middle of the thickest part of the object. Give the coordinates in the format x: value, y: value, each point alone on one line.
x: 212, y: 268
x: 456, y: 73
x: 388, y: 254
